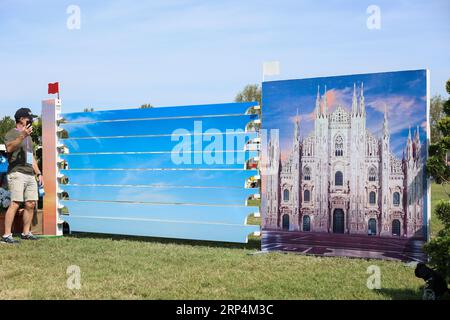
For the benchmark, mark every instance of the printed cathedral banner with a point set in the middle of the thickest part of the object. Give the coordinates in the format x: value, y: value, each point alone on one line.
x: 343, y: 165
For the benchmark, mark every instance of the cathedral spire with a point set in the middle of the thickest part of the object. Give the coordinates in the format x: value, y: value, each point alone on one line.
x: 297, y: 129
x: 385, y: 122
x: 362, y: 105
x: 417, y: 142
x: 417, y: 135
x: 318, y: 102
x: 325, y: 106
x: 354, y: 101
x: 409, y: 146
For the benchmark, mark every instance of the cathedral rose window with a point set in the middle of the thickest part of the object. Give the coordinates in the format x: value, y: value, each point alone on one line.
x: 307, y: 196
x: 372, y: 174
x: 339, y: 147
x: 372, y: 197
x: 396, y: 199
x: 307, y: 173
x: 286, y: 195
x: 338, y: 179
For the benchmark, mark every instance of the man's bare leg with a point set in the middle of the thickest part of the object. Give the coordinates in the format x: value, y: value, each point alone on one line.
x: 9, y: 217
x: 28, y: 213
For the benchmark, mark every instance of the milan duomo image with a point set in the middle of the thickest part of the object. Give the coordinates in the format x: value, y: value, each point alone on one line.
x: 341, y: 178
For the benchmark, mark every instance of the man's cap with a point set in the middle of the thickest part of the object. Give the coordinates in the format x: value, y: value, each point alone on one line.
x: 25, y: 113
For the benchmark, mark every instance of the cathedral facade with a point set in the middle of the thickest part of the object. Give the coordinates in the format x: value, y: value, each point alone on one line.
x: 343, y: 179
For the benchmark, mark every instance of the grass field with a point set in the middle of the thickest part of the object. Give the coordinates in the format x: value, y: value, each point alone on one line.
x: 437, y: 193
x: 138, y: 268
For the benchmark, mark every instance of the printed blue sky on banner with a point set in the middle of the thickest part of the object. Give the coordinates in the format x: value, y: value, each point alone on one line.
x: 403, y: 92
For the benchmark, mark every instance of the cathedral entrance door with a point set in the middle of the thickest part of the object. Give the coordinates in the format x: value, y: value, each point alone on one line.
x: 306, y: 223
x: 372, y: 227
x: 396, y: 227
x: 286, y: 222
x: 338, y: 221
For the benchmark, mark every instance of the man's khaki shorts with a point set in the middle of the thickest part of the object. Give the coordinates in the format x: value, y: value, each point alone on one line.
x: 23, y: 187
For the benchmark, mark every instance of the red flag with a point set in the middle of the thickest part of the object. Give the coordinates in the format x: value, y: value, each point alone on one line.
x: 53, y: 88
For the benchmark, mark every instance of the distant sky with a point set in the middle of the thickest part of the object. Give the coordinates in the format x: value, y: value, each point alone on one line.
x: 403, y: 94
x: 177, y: 52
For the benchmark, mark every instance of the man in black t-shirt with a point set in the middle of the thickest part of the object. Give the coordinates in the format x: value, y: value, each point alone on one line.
x: 22, y: 173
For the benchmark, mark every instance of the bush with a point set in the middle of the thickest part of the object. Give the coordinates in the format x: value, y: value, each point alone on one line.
x: 442, y: 211
x: 438, y: 250
x: 446, y: 108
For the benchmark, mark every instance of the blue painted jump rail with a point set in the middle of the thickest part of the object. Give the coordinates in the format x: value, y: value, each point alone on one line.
x: 187, y: 172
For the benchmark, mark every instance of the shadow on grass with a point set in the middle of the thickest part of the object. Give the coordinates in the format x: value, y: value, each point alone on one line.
x: 253, y: 243
x: 401, y: 294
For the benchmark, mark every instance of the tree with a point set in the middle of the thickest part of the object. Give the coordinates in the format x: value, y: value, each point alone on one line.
x: 6, y: 124
x: 146, y: 106
x: 438, y: 248
x: 250, y: 93
x: 36, y: 135
x: 436, y: 114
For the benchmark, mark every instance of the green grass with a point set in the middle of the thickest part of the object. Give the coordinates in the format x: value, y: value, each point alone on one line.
x: 140, y: 268
x: 437, y: 193
x: 127, y: 268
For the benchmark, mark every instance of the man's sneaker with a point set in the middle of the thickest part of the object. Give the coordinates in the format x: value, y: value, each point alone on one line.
x: 28, y: 236
x: 9, y: 240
